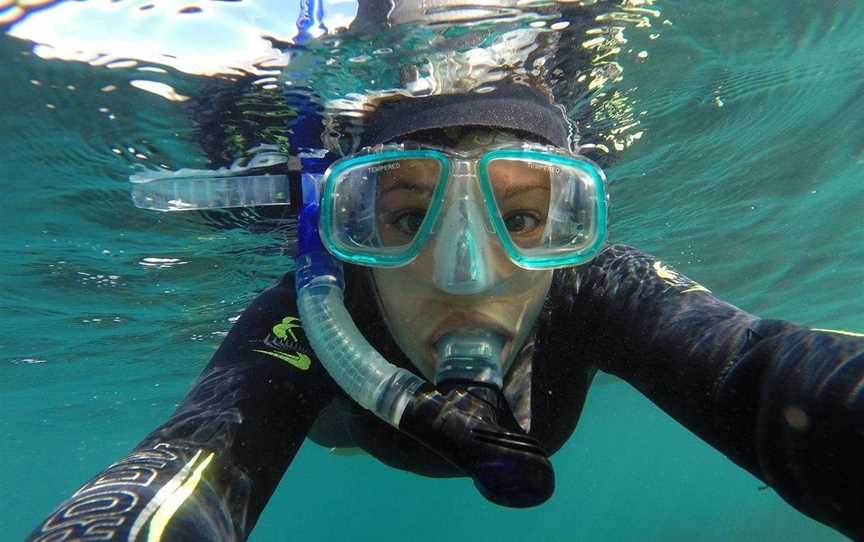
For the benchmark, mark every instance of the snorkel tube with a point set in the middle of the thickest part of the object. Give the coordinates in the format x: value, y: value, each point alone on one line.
x: 359, y: 369
x: 467, y: 423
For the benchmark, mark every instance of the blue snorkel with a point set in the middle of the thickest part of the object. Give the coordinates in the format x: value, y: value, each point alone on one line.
x: 312, y: 259
x: 310, y: 21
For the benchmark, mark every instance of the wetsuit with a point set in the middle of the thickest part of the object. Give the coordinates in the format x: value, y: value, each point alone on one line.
x: 782, y: 401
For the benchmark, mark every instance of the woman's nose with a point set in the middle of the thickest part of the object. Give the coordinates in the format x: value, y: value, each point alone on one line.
x: 466, y: 253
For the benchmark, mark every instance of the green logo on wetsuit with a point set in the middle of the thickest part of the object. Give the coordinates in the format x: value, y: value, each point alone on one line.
x: 285, y: 339
x: 297, y: 359
x: 286, y: 327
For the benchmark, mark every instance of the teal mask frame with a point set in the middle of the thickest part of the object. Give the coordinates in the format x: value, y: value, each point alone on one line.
x: 404, y: 256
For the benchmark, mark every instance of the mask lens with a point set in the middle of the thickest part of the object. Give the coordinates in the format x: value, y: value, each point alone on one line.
x: 379, y: 207
x: 548, y: 207
x: 522, y: 190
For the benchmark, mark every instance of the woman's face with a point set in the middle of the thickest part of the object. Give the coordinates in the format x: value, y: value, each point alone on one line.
x: 419, y: 311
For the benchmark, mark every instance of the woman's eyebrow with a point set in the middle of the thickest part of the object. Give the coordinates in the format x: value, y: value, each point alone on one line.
x: 516, y: 189
x: 407, y: 184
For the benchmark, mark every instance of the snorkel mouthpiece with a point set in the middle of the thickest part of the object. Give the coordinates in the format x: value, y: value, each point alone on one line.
x: 467, y: 420
x: 470, y: 355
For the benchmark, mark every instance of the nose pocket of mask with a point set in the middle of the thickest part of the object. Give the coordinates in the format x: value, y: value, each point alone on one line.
x: 462, y: 253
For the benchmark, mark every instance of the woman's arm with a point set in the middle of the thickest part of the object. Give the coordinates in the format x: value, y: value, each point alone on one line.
x: 207, y: 473
x: 782, y: 401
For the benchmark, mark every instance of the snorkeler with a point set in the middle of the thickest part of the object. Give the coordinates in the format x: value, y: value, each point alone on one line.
x: 471, y: 236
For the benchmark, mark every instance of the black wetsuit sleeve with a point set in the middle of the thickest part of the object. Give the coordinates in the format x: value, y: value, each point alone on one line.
x: 207, y: 473
x: 782, y: 401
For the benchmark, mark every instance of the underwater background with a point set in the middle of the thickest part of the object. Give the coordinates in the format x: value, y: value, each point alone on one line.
x: 733, y: 135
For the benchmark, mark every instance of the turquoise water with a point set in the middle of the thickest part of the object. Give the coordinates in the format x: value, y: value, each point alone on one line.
x: 747, y: 176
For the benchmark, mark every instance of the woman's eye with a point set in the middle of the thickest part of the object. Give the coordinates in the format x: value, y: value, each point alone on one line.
x: 521, y: 223
x: 408, y: 222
